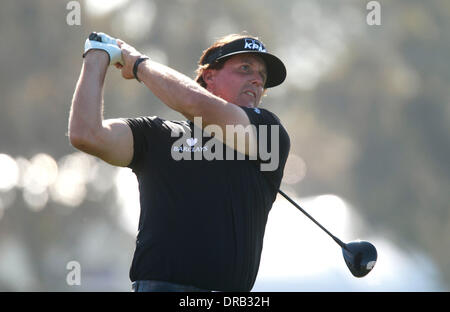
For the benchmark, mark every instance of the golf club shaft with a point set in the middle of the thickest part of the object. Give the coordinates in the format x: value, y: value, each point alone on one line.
x: 337, y: 240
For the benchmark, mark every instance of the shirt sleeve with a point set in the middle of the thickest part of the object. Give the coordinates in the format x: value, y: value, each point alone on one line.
x: 273, y: 143
x: 146, y: 132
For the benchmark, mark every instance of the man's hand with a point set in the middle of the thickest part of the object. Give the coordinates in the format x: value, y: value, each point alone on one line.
x: 129, y: 57
x: 104, y: 42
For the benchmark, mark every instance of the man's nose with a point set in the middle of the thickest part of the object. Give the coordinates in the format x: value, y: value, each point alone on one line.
x: 257, y: 80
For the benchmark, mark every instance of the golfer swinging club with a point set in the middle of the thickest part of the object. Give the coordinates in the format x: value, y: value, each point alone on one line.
x: 202, y: 220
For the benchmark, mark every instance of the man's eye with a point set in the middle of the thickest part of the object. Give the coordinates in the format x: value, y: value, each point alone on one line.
x: 245, y: 67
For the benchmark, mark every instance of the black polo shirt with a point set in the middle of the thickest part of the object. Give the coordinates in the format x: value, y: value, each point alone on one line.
x: 202, y: 221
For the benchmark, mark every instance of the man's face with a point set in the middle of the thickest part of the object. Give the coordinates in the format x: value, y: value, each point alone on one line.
x: 240, y: 81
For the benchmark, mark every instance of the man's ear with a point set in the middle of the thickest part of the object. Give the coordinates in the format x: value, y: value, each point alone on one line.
x: 208, y: 77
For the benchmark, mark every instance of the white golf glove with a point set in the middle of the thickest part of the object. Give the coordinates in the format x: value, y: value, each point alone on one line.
x: 102, y: 41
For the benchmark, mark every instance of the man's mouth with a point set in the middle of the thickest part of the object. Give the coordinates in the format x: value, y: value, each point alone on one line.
x: 250, y: 93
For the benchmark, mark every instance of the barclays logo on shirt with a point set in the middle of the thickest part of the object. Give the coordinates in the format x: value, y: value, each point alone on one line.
x: 250, y: 140
x: 191, y: 141
x: 190, y: 146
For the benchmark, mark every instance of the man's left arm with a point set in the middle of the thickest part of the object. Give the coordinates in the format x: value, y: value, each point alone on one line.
x: 184, y: 95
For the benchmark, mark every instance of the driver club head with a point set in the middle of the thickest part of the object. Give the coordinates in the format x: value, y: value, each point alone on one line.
x: 360, y: 257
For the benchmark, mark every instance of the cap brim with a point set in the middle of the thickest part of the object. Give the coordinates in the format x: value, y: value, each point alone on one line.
x: 276, y: 71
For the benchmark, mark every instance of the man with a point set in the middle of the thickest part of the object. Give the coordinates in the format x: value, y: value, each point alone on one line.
x: 202, y: 220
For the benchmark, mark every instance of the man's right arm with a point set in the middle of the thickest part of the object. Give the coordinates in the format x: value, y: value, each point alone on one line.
x: 110, y: 140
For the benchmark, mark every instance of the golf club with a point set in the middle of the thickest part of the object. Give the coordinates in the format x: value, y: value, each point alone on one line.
x: 360, y: 256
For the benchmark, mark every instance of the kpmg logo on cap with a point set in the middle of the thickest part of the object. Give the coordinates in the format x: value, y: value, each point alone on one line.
x: 253, y: 44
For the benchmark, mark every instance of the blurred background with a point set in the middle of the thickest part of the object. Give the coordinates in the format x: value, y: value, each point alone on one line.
x: 366, y: 106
